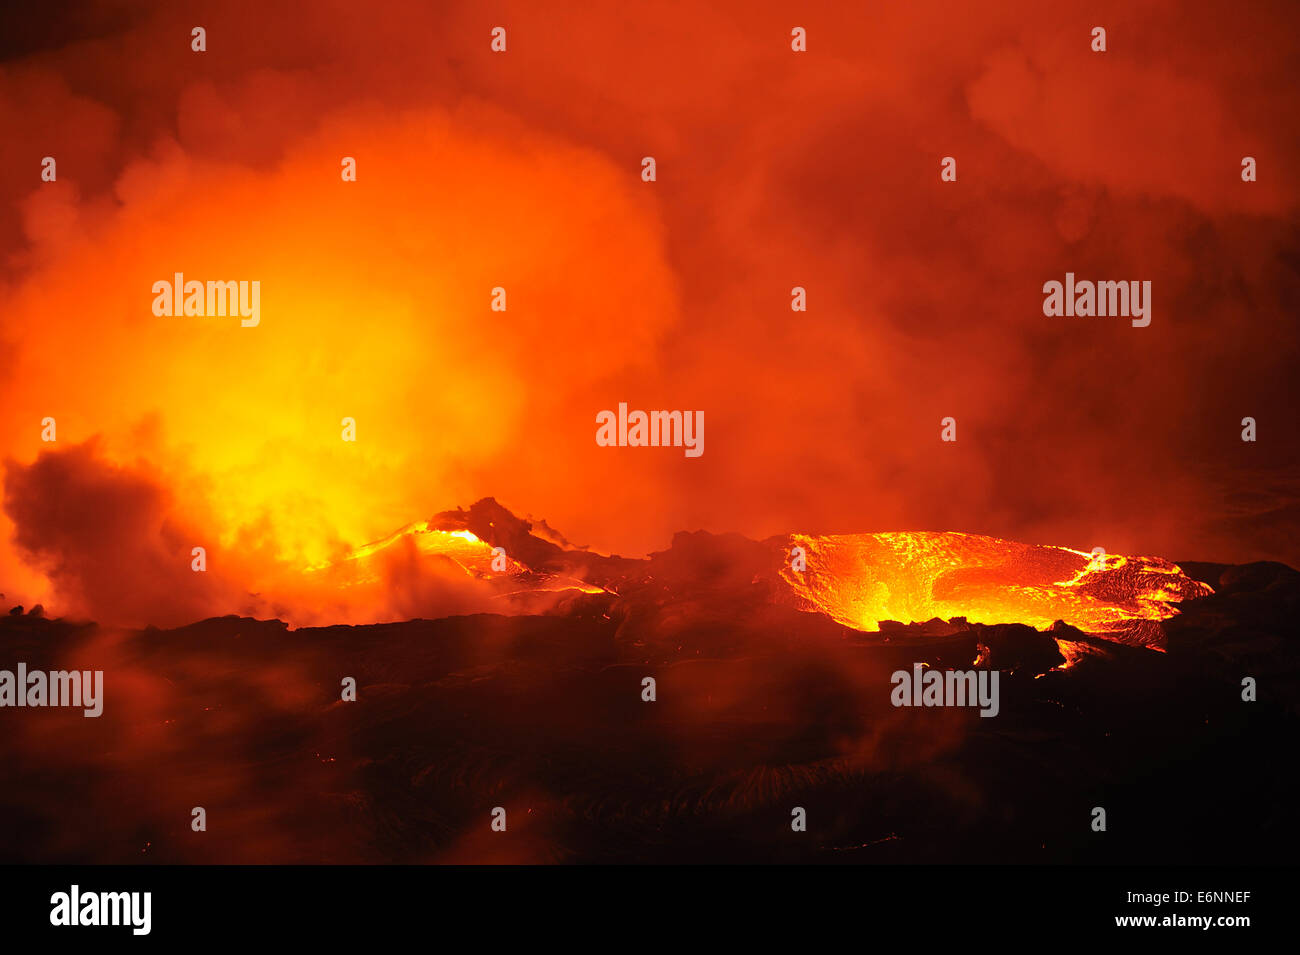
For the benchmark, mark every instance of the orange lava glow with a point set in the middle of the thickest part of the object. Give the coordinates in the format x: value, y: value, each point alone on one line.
x: 1073, y: 651
x: 477, y: 171
x: 451, y: 571
x: 374, y: 310
x: 862, y: 579
x: 464, y: 548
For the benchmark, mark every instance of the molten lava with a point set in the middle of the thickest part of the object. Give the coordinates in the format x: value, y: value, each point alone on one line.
x: 862, y: 579
x: 462, y: 547
x: 431, y: 568
x: 858, y: 580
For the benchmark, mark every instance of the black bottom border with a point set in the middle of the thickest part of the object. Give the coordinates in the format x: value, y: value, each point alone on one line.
x: 769, y: 904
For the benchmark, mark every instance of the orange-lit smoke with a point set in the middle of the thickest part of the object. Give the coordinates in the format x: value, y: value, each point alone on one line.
x: 375, y: 307
x: 522, y: 171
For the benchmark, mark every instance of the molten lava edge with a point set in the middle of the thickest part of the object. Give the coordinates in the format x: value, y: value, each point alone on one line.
x: 860, y: 580
x: 857, y: 580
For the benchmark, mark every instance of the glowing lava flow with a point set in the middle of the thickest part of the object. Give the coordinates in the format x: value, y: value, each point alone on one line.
x: 473, y: 555
x: 862, y: 579
x: 858, y: 580
x: 423, y: 550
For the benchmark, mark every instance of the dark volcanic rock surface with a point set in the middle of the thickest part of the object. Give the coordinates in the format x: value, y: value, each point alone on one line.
x: 759, y: 709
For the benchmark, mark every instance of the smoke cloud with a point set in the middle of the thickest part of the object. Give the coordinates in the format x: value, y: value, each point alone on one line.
x: 521, y: 170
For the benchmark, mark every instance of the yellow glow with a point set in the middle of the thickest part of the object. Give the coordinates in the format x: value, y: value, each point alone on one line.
x: 862, y: 579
